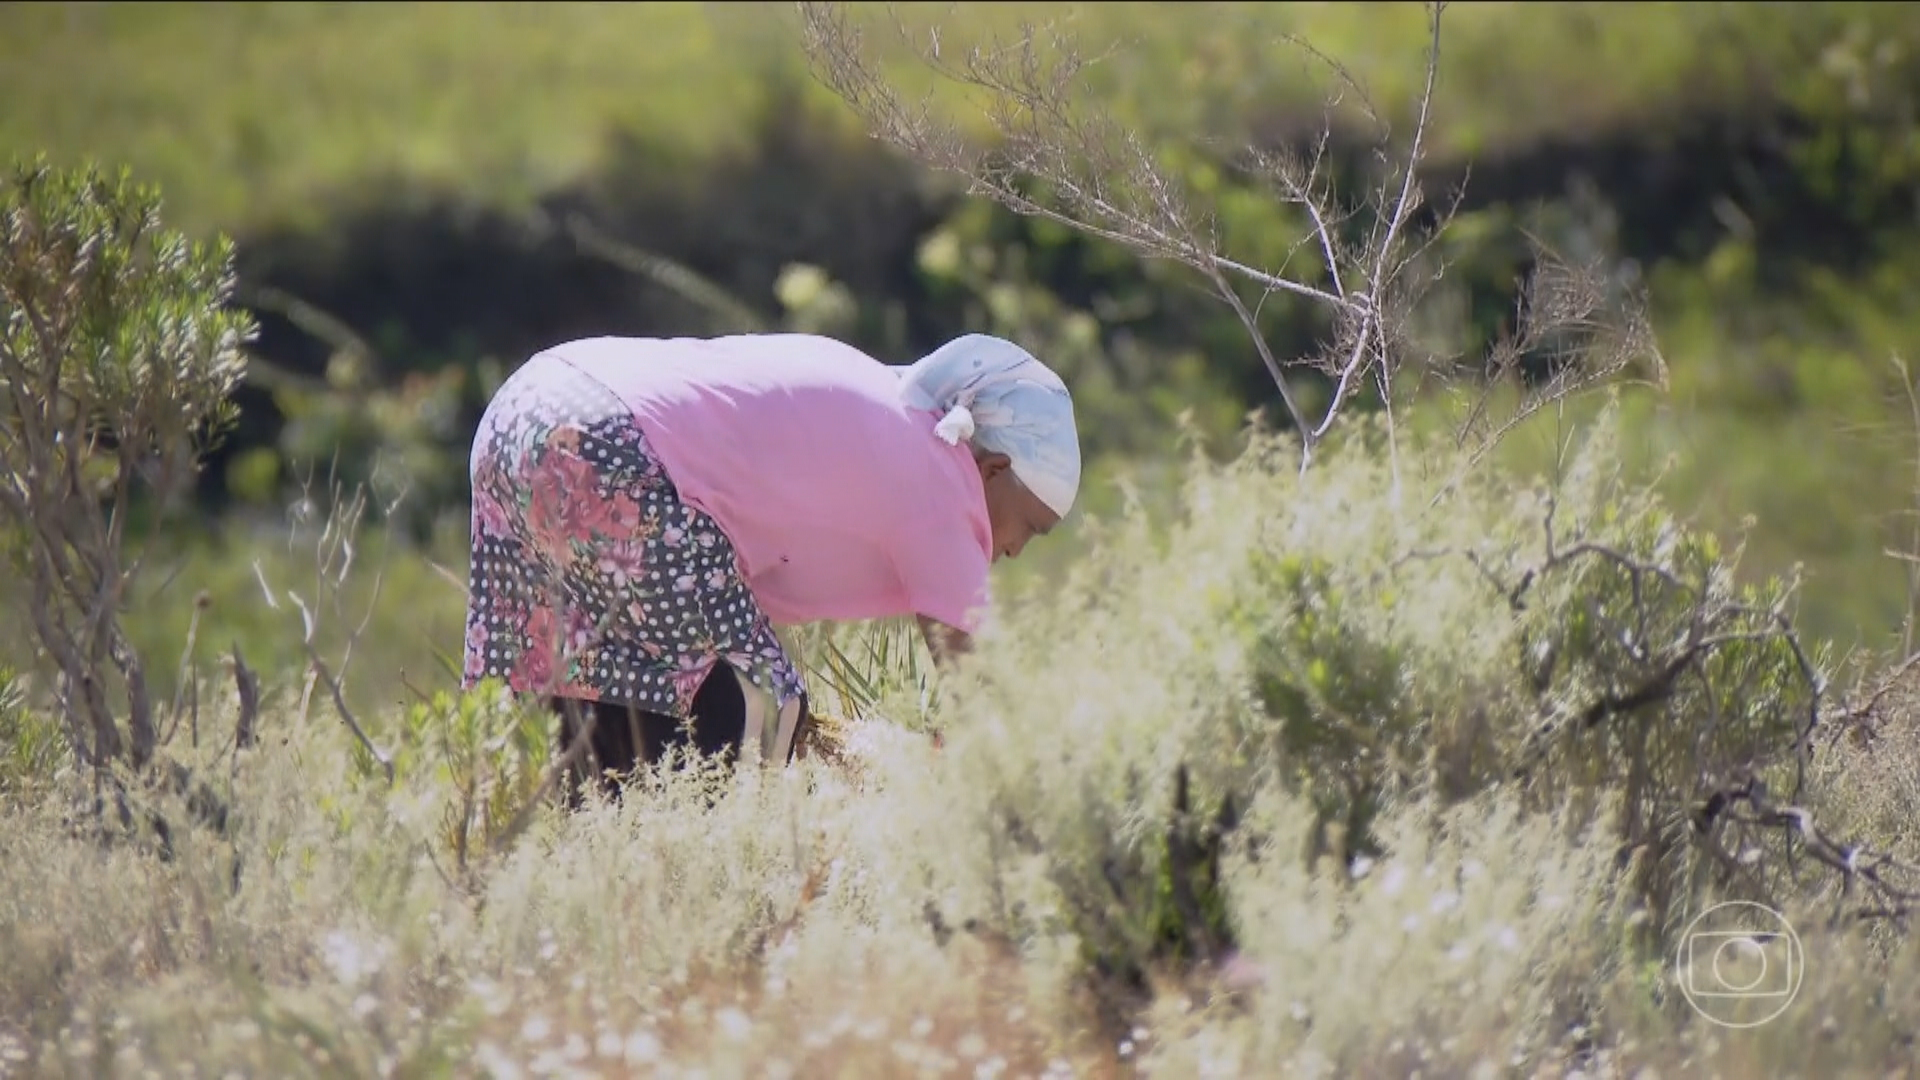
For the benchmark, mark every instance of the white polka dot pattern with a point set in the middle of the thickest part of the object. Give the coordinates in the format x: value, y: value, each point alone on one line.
x: 590, y: 578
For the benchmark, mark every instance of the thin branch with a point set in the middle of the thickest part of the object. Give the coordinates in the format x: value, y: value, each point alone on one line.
x: 346, y: 714
x: 1043, y: 138
x: 1294, y: 412
x: 659, y: 269
x: 187, y: 682
x: 1855, y: 863
x: 1378, y: 281
x: 524, y: 816
x: 247, y: 686
x: 1907, y: 628
x: 318, y: 323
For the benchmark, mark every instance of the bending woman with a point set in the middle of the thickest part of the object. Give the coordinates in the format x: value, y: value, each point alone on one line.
x: 647, y: 511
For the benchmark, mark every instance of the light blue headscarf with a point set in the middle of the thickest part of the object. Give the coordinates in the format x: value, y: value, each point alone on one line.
x: 997, y: 395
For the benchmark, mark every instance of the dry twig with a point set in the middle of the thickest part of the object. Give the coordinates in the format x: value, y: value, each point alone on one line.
x: 1892, y: 885
x: 334, y: 557
x: 1055, y: 156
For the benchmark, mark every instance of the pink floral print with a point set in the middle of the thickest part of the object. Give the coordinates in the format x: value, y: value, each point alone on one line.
x: 590, y: 578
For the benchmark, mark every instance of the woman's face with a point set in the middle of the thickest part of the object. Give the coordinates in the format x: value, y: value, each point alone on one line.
x: 1017, y: 515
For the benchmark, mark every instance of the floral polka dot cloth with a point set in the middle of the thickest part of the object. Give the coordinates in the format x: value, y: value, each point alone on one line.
x: 590, y: 578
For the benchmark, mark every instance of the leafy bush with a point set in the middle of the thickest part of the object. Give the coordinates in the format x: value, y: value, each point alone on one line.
x: 1136, y: 779
x: 1395, y: 763
x: 483, y: 751
x: 33, y: 742
x: 116, y: 365
x: 1312, y: 637
x: 1590, y: 642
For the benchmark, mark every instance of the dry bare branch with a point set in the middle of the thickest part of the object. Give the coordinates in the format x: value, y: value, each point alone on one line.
x: 1052, y: 153
x: 726, y: 309
x: 1052, y: 159
x: 247, y: 684
x: 186, y: 695
x: 1912, y: 400
x: 323, y: 326
x: 335, y: 553
x: 1892, y: 885
x: 1648, y: 670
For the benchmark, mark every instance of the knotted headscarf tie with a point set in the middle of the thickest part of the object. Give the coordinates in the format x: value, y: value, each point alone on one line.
x: 994, y: 394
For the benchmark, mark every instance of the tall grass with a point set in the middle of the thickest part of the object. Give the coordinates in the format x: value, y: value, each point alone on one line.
x: 1056, y: 891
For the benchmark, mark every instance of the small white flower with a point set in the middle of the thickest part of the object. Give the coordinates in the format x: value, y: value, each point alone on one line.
x: 535, y: 1028
x: 1395, y: 879
x: 642, y: 1048
x: 733, y: 1023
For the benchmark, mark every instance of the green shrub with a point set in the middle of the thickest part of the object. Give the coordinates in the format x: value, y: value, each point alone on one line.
x: 32, y: 744
x: 484, y: 753
x: 1609, y: 649
x: 116, y: 365
x: 1136, y: 768
x: 1312, y: 639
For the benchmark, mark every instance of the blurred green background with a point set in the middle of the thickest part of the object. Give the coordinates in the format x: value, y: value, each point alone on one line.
x: 424, y: 194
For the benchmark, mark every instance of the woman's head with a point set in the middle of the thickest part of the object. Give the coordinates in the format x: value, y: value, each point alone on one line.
x: 1018, y: 417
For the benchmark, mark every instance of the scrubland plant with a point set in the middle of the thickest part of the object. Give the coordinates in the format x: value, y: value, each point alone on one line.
x: 1117, y: 861
x: 1574, y: 638
x: 118, y: 357
x: 1288, y: 635
x: 31, y: 743
x: 1393, y: 764
x: 1358, y: 265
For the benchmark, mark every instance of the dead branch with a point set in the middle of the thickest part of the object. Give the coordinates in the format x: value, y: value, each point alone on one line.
x: 317, y: 667
x: 420, y: 696
x: 1748, y: 803
x: 335, y: 553
x: 247, y: 685
x: 1368, y: 302
x: 1076, y: 166
x: 1658, y: 650
x: 323, y: 326
x: 1051, y: 154
x: 334, y: 550
x: 1907, y: 627
x: 186, y: 694
x: 1860, y: 718
x: 669, y: 274
x: 384, y: 759
x: 1712, y: 622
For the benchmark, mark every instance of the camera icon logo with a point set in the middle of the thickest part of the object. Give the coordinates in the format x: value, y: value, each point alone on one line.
x: 1740, y: 964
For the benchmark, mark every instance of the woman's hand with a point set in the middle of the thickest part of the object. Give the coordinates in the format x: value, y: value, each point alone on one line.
x: 946, y: 643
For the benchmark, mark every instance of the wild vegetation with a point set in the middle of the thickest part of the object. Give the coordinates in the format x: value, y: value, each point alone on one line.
x: 1411, y: 725
x: 479, y: 181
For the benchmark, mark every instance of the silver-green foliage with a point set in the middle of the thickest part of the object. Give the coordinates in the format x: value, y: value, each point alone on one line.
x: 1564, y: 647
x: 118, y: 354
x: 915, y: 905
